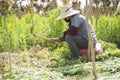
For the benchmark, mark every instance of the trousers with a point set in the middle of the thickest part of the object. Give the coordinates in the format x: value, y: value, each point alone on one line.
x: 75, y: 43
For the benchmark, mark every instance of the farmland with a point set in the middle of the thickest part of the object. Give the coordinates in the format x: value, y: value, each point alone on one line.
x: 24, y: 57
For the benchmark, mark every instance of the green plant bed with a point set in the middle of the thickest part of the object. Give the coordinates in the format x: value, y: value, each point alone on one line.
x: 61, y: 55
x: 76, y: 69
x: 110, y: 50
x: 115, y: 76
x: 110, y: 54
x: 19, y: 31
x: 111, y: 66
x: 108, y: 28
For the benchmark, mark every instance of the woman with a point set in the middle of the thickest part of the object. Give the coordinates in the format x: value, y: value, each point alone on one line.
x: 76, y: 35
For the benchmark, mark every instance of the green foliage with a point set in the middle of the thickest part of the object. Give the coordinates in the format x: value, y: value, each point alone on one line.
x: 19, y: 30
x: 107, y: 46
x: 115, y: 76
x: 49, y: 27
x: 62, y: 62
x: 72, y: 70
x: 61, y: 56
x: 108, y: 29
x: 21, y: 39
x: 111, y: 66
x: 108, y: 54
x: 29, y: 71
x: 109, y: 51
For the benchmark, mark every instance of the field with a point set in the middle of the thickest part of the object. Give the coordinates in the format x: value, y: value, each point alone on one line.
x: 24, y: 57
x: 38, y: 66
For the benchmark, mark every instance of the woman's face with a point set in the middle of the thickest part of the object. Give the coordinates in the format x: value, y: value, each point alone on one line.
x: 67, y: 19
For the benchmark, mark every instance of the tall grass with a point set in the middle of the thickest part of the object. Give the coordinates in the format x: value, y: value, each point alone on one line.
x: 21, y: 39
x: 19, y: 30
x: 108, y: 28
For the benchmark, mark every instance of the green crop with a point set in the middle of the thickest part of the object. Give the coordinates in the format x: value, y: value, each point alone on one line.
x: 108, y: 28
x: 19, y: 30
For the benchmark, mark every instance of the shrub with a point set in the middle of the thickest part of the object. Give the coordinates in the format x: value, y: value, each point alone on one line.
x: 108, y: 29
x: 19, y: 31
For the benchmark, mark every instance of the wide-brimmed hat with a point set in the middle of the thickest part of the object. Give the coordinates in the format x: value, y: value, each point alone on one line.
x: 67, y: 11
x: 1, y: 0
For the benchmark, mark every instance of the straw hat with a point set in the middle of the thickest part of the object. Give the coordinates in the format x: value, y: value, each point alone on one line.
x: 67, y: 11
x: 1, y: 0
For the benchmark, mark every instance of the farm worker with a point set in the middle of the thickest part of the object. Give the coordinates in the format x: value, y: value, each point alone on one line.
x: 76, y: 35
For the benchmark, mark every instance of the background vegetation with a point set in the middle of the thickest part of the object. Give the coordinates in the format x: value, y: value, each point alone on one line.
x: 21, y: 39
x: 56, y: 64
x: 107, y: 29
x: 19, y: 30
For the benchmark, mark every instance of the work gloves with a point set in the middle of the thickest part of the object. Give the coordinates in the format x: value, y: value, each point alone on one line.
x: 59, y: 39
x: 55, y: 39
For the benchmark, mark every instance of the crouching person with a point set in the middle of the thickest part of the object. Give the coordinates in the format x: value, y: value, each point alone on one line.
x: 76, y: 35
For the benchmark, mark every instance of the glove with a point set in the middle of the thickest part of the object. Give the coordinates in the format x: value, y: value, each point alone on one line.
x: 55, y: 39
x: 62, y: 38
